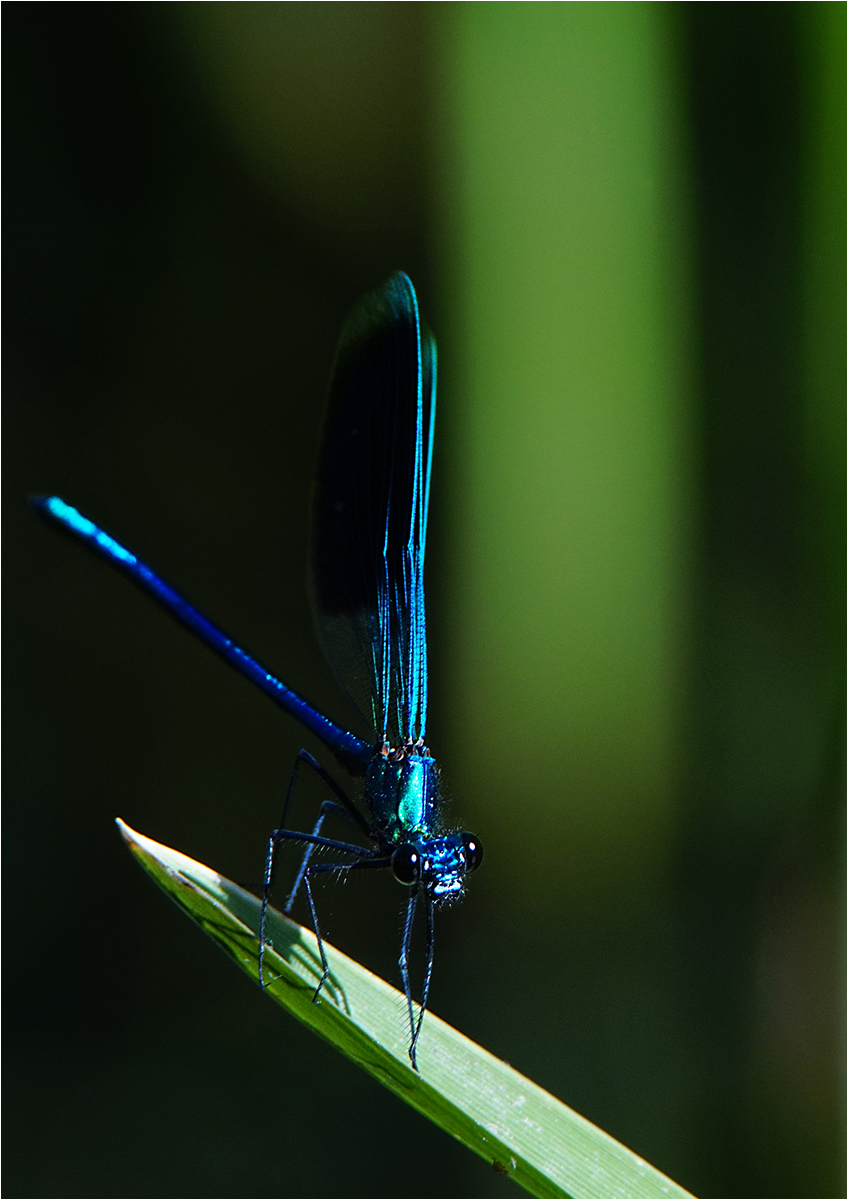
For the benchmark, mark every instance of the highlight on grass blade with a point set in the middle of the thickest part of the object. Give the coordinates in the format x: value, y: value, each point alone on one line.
x: 522, y: 1130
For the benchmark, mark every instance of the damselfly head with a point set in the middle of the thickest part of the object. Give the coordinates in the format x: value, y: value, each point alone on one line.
x: 439, y: 865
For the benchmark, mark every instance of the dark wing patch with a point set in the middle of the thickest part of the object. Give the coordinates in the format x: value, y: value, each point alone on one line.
x: 370, y: 511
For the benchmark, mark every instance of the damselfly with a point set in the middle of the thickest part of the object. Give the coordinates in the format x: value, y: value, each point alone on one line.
x: 369, y: 533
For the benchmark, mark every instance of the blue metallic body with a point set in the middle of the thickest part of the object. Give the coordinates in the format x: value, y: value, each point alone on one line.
x: 403, y: 796
x: 367, y: 581
x: 351, y: 750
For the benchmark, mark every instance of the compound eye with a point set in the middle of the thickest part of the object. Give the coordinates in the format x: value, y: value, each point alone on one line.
x: 406, y: 865
x: 473, y: 852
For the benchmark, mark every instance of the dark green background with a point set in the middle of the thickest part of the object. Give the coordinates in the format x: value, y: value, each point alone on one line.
x: 171, y: 312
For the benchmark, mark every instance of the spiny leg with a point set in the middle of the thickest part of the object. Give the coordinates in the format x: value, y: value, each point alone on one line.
x: 404, y: 972
x: 427, y: 974
x: 281, y: 835
x: 327, y: 807
x: 325, y: 969
x: 347, y: 809
x: 263, y: 914
x: 351, y: 811
x: 361, y: 864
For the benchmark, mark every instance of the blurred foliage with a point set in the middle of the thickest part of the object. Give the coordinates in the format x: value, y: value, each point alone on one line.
x: 565, y: 209
x: 626, y: 225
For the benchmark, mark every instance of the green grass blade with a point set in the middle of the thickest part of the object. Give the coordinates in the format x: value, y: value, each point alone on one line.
x: 547, y: 1148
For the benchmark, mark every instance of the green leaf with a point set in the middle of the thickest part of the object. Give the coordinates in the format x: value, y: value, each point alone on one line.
x: 547, y: 1148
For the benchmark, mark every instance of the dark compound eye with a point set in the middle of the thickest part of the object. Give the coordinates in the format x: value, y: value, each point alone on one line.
x: 406, y: 864
x: 473, y: 851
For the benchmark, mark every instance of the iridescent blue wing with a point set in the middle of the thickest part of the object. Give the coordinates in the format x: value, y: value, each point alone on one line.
x: 370, y: 511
